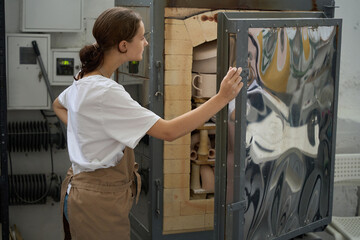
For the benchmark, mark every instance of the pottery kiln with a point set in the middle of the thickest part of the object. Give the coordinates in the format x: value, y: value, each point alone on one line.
x: 170, y: 207
x: 190, y: 37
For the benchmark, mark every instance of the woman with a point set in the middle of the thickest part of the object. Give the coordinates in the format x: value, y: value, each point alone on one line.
x: 104, y: 124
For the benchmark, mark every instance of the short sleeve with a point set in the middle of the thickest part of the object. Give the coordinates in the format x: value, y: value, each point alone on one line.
x: 63, y: 97
x: 124, y: 119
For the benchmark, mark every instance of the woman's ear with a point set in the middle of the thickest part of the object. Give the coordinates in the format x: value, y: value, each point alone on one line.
x: 122, y: 47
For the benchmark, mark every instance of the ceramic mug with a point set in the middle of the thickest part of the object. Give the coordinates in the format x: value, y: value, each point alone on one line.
x: 204, y: 85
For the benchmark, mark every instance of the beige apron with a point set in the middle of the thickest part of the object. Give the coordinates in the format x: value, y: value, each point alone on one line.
x: 99, y: 202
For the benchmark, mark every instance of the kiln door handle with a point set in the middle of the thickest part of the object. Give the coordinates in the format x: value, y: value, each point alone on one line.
x: 158, y: 189
x: 158, y: 67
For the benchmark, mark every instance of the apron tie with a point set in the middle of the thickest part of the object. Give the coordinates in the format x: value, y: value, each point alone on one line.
x: 137, y: 182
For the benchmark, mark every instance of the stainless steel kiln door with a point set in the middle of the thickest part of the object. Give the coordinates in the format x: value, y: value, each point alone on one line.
x: 276, y: 140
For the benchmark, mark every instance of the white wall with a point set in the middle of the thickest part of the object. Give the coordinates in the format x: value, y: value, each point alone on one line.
x: 348, y: 137
x: 350, y: 51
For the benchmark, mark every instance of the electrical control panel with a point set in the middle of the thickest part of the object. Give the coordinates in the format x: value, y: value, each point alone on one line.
x: 26, y: 84
x: 65, y: 64
x: 131, y: 69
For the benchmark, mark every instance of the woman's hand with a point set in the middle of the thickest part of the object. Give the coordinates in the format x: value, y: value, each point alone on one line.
x: 170, y: 130
x: 231, y: 84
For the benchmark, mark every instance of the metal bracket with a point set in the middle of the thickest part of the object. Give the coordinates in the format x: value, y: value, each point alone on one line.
x: 236, y: 206
x: 331, y: 6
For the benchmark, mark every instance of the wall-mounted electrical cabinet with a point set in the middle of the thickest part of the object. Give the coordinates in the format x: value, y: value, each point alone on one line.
x: 65, y: 64
x: 51, y: 15
x: 26, y: 85
x: 132, y: 69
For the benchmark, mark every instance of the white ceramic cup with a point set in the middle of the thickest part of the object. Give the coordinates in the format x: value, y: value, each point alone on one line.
x: 204, y: 85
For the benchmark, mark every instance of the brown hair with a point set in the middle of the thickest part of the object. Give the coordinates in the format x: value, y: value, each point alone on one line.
x: 111, y: 27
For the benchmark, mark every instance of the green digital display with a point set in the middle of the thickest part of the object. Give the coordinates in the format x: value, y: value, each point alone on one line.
x: 64, y: 66
x: 65, y: 63
x: 134, y: 67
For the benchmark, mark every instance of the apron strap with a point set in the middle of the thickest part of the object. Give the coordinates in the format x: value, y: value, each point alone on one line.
x: 137, y: 181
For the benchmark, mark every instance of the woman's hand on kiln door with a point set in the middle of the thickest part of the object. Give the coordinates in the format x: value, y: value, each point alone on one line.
x: 231, y: 84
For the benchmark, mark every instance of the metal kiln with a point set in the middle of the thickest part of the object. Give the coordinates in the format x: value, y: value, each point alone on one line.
x: 275, y: 143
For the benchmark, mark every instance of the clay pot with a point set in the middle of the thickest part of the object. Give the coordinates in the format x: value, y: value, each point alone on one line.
x: 211, y: 153
x: 205, y: 51
x: 195, y: 176
x: 207, y: 178
x: 195, y: 141
x: 204, y: 58
x: 193, y: 154
x: 204, y: 145
x: 204, y: 66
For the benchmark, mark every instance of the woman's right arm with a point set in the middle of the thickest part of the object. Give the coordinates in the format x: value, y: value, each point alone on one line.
x: 170, y: 130
x: 60, y: 111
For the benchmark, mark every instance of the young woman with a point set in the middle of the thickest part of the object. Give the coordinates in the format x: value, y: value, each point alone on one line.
x: 104, y: 124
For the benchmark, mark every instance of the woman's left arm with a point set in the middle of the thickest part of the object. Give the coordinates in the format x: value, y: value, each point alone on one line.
x: 60, y: 111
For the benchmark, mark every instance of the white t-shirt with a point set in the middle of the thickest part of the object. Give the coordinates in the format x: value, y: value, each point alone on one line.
x: 102, y: 120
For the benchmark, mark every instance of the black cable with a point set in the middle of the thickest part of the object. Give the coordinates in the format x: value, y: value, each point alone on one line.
x: 17, y: 194
x: 52, y: 160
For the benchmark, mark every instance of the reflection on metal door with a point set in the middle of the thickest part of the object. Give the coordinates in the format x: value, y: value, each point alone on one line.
x: 279, y: 136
